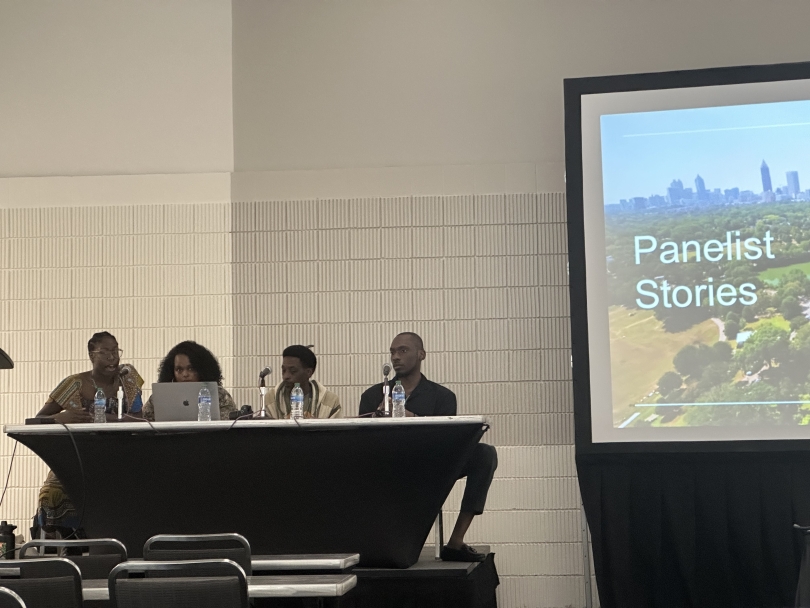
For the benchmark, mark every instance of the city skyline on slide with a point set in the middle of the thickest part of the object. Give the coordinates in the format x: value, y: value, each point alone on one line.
x: 643, y: 152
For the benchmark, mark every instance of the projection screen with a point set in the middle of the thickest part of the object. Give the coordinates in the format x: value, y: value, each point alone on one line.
x: 689, y: 236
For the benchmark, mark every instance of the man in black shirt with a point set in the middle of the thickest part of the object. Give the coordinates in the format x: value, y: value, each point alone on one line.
x: 426, y: 398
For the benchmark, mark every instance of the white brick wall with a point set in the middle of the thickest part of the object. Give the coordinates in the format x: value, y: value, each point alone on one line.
x: 151, y: 275
x: 482, y: 280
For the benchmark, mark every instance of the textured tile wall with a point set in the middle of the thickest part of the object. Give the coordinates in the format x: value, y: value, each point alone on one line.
x: 152, y: 275
x: 482, y: 278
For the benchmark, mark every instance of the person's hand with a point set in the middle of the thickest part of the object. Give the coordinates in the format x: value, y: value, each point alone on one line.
x: 73, y: 416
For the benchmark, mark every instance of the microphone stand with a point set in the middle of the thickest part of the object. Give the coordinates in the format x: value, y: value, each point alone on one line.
x: 120, y: 398
x: 262, y: 394
x: 119, y: 394
x: 126, y: 370
x: 386, y: 398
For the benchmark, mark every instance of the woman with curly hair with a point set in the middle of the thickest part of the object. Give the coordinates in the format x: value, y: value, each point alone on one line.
x: 192, y: 362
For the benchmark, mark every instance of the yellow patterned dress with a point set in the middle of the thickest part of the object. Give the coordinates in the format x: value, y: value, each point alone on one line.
x: 55, y: 506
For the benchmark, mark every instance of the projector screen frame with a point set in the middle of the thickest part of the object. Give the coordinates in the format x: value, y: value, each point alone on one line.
x: 574, y: 90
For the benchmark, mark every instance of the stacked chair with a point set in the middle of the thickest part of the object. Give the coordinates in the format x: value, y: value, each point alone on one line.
x: 175, y: 547
x: 43, y: 583
x: 185, y: 571
x: 178, y: 571
x: 210, y: 583
x: 9, y: 599
x: 103, y: 554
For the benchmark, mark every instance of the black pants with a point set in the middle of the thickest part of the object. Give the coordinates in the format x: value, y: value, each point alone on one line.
x: 479, y: 470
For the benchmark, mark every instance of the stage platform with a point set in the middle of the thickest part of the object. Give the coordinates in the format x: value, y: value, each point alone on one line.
x: 427, y: 584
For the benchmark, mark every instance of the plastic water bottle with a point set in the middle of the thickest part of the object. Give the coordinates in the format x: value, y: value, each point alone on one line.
x: 398, y: 398
x: 100, y: 406
x: 204, y: 405
x: 297, y: 402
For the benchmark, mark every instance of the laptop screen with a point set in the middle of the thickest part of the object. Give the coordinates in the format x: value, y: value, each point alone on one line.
x: 177, y: 401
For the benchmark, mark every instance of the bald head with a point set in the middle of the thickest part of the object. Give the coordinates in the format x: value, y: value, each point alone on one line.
x: 407, y: 354
x: 416, y: 340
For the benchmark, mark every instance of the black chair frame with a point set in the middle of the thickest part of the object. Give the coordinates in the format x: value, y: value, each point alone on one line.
x: 197, y: 543
x: 108, y: 543
x: 8, y: 598
x: 42, y: 569
x: 95, y: 565
x: 208, y: 568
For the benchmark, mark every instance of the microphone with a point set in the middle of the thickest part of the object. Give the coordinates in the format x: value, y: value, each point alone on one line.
x: 123, y: 371
x: 386, y: 370
x: 263, y: 374
x: 262, y: 388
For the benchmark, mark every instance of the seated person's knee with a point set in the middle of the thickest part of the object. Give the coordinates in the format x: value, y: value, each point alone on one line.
x: 486, y: 455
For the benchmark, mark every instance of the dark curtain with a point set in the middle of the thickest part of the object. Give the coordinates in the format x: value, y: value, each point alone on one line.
x: 696, y: 530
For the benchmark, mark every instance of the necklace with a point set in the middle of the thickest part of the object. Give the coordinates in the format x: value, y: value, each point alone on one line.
x: 96, y: 386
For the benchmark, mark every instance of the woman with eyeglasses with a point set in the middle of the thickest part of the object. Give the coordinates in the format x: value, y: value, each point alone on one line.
x: 71, y: 402
x: 192, y: 362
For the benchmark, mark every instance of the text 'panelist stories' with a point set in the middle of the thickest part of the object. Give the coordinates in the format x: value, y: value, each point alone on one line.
x: 697, y: 246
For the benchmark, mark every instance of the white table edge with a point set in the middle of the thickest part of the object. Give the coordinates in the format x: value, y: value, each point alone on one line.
x: 338, y: 588
x: 264, y: 563
x: 225, y: 425
x: 303, y: 561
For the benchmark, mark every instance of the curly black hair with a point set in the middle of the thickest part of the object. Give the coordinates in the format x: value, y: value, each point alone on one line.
x: 202, y: 360
x: 304, y: 354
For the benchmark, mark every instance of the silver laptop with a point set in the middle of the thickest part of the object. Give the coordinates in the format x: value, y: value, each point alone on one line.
x: 177, y: 401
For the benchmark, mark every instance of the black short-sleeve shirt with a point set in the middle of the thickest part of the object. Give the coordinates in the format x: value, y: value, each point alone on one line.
x: 427, y: 399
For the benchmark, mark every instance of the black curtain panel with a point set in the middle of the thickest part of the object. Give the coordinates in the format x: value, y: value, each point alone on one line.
x: 696, y: 530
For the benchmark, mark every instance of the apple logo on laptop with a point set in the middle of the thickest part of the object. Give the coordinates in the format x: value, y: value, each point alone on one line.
x: 185, y: 402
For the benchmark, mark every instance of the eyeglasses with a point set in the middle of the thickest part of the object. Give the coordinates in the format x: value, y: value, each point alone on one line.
x: 116, y: 352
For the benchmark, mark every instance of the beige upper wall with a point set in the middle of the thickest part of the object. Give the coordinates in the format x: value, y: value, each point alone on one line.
x: 363, y: 83
x: 99, y: 87
x: 92, y: 87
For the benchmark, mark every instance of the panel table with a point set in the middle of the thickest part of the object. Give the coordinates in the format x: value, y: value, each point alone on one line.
x: 367, y: 486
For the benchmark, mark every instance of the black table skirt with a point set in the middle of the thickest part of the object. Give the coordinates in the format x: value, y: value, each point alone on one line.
x: 372, y: 488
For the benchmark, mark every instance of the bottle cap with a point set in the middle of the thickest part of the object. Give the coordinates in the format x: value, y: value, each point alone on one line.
x: 297, y: 385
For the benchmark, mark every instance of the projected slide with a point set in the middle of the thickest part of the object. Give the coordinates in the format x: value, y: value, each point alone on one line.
x: 707, y: 255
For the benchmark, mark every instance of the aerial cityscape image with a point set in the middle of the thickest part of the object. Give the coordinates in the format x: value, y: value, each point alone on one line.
x: 707, y: 237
